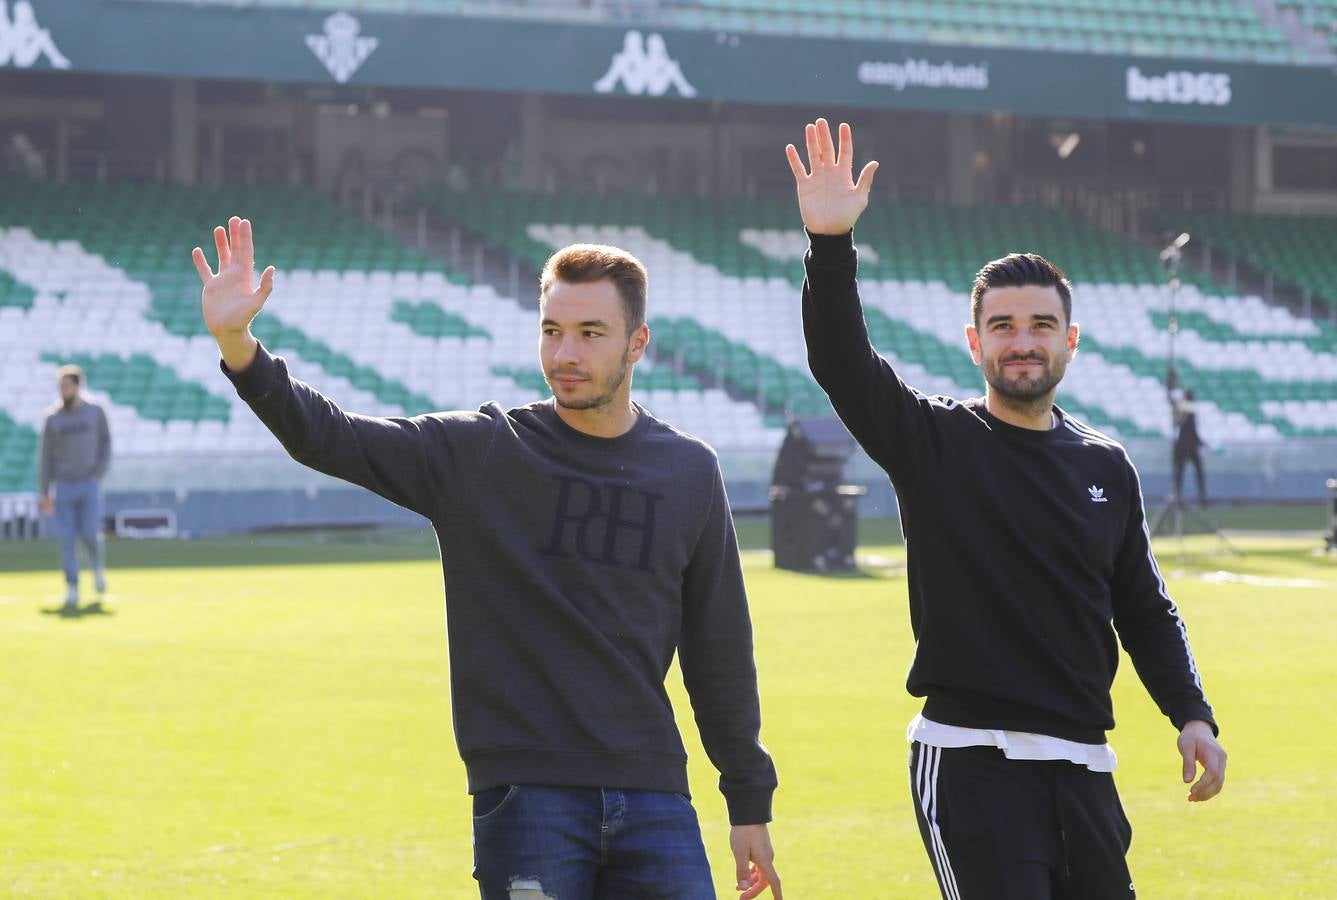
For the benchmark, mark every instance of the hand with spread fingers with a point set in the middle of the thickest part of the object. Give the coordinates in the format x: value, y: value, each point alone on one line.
x: 231, y: 299
x: 829, y: 199
x: 1197, y: 744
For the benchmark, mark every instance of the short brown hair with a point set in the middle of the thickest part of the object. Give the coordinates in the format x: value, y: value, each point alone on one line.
x: 1018, y: 270
x: 70, y: 371
x: 588, y: 263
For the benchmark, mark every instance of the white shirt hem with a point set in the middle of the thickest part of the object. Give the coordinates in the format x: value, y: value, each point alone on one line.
x: 1019, y: 745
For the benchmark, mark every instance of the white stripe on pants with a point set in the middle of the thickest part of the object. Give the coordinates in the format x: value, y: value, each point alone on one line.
x: 926, y: 785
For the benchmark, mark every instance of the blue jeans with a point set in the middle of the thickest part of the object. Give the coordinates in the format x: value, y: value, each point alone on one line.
x: 561, y: 843
x: 78, y: 515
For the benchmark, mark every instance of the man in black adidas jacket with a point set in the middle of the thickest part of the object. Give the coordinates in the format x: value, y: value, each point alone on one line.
x: 1029, y: 559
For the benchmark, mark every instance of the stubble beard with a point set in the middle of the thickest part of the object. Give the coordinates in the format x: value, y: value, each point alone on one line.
x: 610, y: 387
x: 1026, y: 394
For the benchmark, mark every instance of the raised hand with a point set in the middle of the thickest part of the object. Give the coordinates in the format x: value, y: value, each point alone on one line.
x: 231, y: 300
x: 829, y: 199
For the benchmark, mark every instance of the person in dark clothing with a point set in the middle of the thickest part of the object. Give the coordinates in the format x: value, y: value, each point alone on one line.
x: 1188, y: 446
x: 583, y: 542
x: 1029, y: 560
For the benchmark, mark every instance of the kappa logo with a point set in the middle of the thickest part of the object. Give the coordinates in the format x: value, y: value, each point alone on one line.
x: 1097, y: 494
x: 23, y: 41
x: 341, y: 49
x: 644, y: 67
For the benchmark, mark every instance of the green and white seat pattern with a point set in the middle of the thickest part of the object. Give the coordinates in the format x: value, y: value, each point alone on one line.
x: 384, y: 332
x: 1297, y: 250
x: 364, y: 317
x: 379, y: 341
x: 87, y: 310
x: 728, y: 275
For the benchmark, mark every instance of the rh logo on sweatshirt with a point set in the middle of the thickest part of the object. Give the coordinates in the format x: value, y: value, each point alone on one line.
x: 1097, y: 494
x: 592, y: 516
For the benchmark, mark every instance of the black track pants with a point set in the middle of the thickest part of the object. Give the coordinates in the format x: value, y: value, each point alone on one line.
x: 1002, y: 829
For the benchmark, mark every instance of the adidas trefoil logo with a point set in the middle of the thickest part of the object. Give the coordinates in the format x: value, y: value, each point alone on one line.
x: 340, y: 49
x: 1097, y: 494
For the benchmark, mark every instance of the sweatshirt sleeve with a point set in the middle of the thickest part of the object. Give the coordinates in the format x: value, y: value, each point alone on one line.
x: 415, y: 462
x: 103, y: 459
x: 893, y: 422
x: 715, y: 654
x: 1149, y: 625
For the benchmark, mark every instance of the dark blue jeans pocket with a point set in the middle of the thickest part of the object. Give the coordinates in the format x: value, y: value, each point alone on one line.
x: 491, y: 802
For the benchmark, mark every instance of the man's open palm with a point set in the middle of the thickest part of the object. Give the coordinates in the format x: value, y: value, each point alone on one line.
x: 829, y: 199
x: 231, y: 298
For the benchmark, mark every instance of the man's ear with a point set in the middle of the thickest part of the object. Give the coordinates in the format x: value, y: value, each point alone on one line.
x: 1074, y: 338
x: 640, y: 340
x: 973, y: 342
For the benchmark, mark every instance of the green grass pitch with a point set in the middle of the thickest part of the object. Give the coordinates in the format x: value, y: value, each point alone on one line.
x: 270, y: 717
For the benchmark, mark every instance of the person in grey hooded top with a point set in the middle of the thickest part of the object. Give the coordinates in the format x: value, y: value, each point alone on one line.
x: 74, y: 456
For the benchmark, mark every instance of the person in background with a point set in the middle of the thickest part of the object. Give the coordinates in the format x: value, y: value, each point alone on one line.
x: 75, y: 453
x: 1188, y: 446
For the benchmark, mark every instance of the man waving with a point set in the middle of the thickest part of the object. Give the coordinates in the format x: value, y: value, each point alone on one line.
x: 1029, y: 559
x: 583, y: 543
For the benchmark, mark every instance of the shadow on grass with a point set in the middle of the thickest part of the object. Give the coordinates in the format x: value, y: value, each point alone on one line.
x: 66, y: 611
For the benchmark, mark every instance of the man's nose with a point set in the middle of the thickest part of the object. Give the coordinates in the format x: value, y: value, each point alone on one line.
x: 567, y: 351
x: 1024, y: 341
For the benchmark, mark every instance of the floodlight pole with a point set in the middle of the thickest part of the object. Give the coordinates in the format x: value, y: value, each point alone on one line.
x: 1175, y: 510
x: 1172, y: 255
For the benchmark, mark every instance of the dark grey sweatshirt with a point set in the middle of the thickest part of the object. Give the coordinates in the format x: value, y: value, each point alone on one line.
x: 76, y: 445
x: 574, y: 566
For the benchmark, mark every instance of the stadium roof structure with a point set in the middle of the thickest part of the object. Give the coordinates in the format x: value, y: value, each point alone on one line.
x: 1116, y: 59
